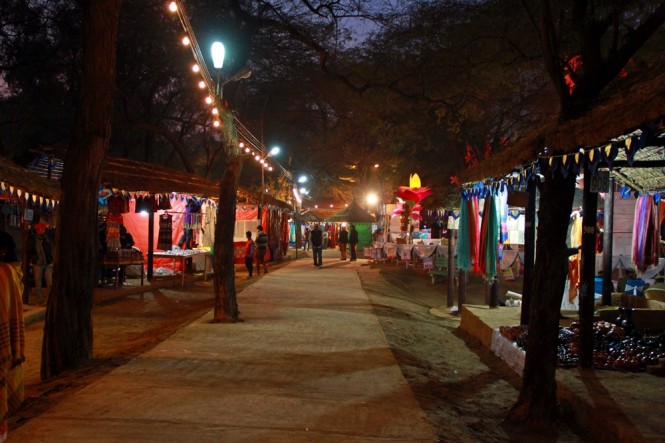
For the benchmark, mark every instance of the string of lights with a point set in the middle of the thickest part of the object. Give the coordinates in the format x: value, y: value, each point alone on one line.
x: 249, y: 144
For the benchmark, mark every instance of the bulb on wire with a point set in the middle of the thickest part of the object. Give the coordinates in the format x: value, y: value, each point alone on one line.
x: 196, y: 68
x: 202, y: 84
x: 173, y: 7
x: 185, y: 41
x: 209, y: 100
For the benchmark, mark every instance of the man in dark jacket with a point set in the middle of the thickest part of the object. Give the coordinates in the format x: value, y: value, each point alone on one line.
x: 316, y: 237
x: 353, y: 241
x: 261, y: 249
x: 343, y: 240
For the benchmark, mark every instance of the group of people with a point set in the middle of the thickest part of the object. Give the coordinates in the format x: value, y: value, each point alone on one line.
x: 347, y: 239
x: 256, y: 250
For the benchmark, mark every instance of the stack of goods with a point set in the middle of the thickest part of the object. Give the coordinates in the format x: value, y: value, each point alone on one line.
x: 614, y: 348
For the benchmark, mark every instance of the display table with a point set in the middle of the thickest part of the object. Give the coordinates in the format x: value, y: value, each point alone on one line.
x: 404, y: 253
x: 183, y: 255
x: 120, y: 261
x: 422, y: 251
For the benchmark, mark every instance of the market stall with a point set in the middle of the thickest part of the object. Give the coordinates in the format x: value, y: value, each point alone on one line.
x: 354, y: 214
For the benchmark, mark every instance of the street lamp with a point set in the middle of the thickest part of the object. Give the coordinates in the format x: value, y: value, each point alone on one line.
x: 241, y: 75
x: 218, y: 53
x: 264, y: 164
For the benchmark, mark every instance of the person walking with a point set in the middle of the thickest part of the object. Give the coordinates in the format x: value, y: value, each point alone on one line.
x: 261, y: 249
x: 316, y: 237
x: 41, y: 259
x: 12, y: 331
x: 353, y: 241
x: 250, y: 249
x: 306, y: 243
x: 343, y: 241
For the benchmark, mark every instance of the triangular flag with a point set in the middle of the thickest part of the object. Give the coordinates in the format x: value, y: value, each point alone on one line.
x: 629, y: 141
x: 591, y: 154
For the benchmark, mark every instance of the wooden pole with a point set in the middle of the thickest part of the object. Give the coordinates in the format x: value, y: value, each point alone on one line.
x: 529, y: 251
x: 151, y: 243
x: 608, y: 245
x: 587, y: 272
x: 451, y: 267
x: 461, y: 289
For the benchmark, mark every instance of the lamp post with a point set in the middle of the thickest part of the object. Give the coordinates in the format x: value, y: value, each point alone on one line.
x: 218, y: 53
x: 273, y: 151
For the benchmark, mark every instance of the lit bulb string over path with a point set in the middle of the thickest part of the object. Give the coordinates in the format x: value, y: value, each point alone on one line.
x: 249, y: 143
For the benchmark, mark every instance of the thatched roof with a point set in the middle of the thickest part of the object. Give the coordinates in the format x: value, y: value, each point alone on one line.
x: 310, y: 217
x: 352, y: 213
x: 25, y: 180
x: 135, y: 176
x: 626, y: 105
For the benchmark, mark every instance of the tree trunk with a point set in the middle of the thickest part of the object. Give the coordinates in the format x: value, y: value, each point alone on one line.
x: 226, y: 303
x: 68, y: 326
x: 537, y: 402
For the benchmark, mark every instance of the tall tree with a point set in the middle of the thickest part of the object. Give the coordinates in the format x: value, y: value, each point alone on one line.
x: 68, y: 326
x: 603, y: 37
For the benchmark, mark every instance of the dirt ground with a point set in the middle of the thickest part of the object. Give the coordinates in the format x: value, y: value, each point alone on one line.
x: 463, y: 388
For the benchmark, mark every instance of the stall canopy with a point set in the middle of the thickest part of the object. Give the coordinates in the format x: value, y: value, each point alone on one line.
x: 632, y: 107
x: 310, y: 217
x: 354, y: 214
x: 351, y: 214
x: 17, y: 180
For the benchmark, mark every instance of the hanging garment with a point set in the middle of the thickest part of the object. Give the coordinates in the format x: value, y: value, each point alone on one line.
x: 463, y: 238
x: 113, y: 223
x: 645, y: 233
x: 117, y: 204
x: 208, y: 227
x: 165, y: 237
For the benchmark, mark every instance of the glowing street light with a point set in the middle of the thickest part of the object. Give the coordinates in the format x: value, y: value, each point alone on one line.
x: 273, y: 151
x: 218, y: 53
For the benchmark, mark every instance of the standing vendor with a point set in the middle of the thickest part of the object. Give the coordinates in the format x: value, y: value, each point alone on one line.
x: 41, y: 259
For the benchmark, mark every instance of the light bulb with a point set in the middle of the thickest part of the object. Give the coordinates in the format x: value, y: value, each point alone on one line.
x: 215, y: 111
x: 196, y: 68
x: 202, y: 84
x: 185, y: 41
x: 209, y: 100
x: 173, y: 7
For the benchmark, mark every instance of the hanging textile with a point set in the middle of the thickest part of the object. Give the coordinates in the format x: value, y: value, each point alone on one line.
x: 645, y: 233
x: 489, y: 239
x: 474, y: 228
x: 164, y: 239
x: 113, y: 222
x: 574, y: 261
x: 193, y: 218
x: 208, y: 228
x: 118, y: 204
x: 463, y: 238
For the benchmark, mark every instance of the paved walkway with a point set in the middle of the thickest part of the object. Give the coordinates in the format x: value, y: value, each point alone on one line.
x: 309, y: 363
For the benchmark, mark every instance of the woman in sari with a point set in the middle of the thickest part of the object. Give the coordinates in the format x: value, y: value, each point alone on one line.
x: 12, y: 332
